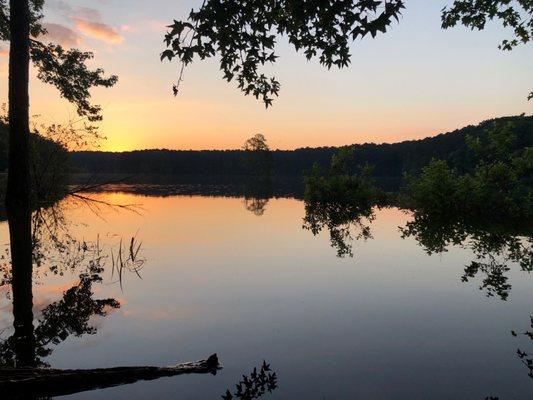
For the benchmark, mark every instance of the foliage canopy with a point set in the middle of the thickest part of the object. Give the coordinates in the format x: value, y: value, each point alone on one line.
x: 244, y: 34
x: 340, y: 199
x: 498, y: 187
x: 515, y: 14
x: 65, y: 69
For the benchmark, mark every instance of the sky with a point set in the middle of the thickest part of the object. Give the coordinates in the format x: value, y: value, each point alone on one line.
x: 416, y: 80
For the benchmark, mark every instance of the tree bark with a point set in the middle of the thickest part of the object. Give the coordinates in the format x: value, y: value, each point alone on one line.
x: 18, y: 206
x: 37, y: 382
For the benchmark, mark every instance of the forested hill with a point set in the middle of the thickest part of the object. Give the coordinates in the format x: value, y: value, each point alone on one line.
x: 389, y: 160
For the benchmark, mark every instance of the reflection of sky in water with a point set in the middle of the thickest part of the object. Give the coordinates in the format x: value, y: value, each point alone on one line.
x: 391, y: 323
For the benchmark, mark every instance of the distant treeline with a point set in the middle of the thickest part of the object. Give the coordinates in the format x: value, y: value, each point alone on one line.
x: 388, y: 160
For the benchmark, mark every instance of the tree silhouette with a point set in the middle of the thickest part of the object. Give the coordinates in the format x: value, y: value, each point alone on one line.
x: 474, y: 14
x: 254, y: 385
x: 69, y: 316
x: 494, y: 245
x: 257, y: 159
x: 244, y: 35
x: 67, y: 71
x: 526, y: 357
x: 340, y: 199
x: 517, y: 14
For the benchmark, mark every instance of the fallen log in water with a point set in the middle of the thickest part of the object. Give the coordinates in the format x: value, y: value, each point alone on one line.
x: 15, y: 382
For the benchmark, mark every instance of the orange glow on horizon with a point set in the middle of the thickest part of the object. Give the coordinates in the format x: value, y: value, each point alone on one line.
x: 191, y: 124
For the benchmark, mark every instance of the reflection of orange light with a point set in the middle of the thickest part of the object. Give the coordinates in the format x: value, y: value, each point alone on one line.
x: 117, y: 198
x: 186, y: 239
x: 387, y: 218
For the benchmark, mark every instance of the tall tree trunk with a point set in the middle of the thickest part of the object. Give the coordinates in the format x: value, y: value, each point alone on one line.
x: 18, y: 182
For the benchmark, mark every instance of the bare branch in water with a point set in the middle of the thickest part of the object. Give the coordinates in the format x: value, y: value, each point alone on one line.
x: 93, y: 204
x: 91, y: 184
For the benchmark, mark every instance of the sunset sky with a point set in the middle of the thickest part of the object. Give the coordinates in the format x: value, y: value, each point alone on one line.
x: 414, y: 81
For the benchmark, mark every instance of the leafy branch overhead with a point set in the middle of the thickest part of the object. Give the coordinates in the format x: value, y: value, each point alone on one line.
x: 244, y: 33
x: 474, y: 14
x: 65, y: 69
x: 515, y: 14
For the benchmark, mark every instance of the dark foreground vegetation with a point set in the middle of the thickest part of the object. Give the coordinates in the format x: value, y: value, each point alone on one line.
x: 489, y: 204
x: 241, y: 35
x: 485, y: 206
x: 48, y: 167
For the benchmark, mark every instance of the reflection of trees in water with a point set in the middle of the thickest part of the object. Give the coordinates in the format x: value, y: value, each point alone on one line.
x: 494, y: 246
x: 254, y: 385
x: 341, y: 199
x: 69, y: 316
x: 346, y: 223
x: 258, y: 190
x: 486, y: 208
x: 494, y: 250
x: 494, y: 281
x: 55, y: 251
x: 525, y: 357
x: 61, y: 319
x: 256, y: 206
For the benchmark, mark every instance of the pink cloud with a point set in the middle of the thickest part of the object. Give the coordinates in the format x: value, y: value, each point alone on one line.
x: 86, y: 13
x: 67, y: 10
x: 98, y: 30
x: 62, y: 35
x: 88, y: 21
x: 4, y: 52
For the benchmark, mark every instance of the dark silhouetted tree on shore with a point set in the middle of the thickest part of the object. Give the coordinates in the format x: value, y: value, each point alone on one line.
x: 66, y: 70
x: 257, y: 158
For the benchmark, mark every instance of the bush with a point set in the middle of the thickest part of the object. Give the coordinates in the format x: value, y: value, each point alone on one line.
x: 498, y: 188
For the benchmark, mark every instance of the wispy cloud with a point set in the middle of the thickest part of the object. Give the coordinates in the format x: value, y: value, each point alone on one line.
x: 61, y: 34
x: 86, y: 13
x: 87, y: 21
x: 59, y: 6
x: 67, y: 10
x: 100, y: 31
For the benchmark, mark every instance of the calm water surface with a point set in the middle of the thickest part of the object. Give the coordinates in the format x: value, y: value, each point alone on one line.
x: 390, y: 323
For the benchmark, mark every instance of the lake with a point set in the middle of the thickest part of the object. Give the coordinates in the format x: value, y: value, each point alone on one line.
x: 243, y: 279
